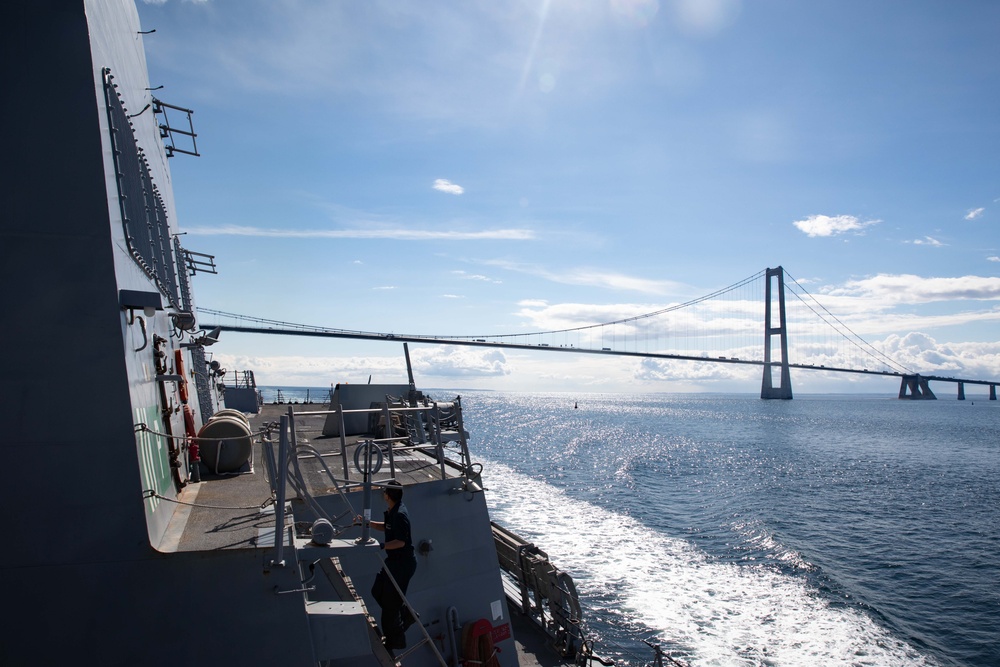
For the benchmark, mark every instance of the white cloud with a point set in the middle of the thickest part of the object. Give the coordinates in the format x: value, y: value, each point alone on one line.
x: 476, y: 276
x: 825, y: 225
x: 972, y: 360
x: 906, y: 288
x: 311, y: 371
x: 594, y: 278
x: 543, y: 316
x: 390, y: 234
x: 460, y: 361
x: 658, y: 370
x: 974, y: 213
x: 886, y: 304
x: 579, y: 325
x: 993, y: 258
x: 914, y: 351
x: 927, y: 240
x: 867, y: 318
x: 444, y: 185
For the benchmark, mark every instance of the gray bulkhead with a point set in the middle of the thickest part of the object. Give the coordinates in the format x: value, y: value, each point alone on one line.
x: 79, y: 570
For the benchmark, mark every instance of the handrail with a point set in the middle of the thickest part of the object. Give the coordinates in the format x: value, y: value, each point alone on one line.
x: 548, y: 595
x: 289, y: 451
x: 358, y: 411
x: 427, y: 638
x: 287, y: 471
x: 279, y: 506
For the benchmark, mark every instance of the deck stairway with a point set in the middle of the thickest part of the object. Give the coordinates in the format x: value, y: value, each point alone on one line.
x: 342, y: 629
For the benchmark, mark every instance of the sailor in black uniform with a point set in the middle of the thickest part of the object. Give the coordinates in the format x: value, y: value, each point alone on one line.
x: 400, y: 561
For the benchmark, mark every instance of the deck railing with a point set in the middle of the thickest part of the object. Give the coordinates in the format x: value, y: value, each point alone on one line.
x: 426, y: 428
x: 284, y: 470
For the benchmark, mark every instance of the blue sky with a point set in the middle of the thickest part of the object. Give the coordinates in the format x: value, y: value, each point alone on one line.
x: 495, y: 167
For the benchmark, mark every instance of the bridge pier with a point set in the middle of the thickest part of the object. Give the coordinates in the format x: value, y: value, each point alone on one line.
x: 915, y: 387
x: 993, y: 392
x: 961, y: 391
x: 767, y: 388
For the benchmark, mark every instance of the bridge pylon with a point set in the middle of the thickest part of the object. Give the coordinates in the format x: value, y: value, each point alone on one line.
x: 767, y: 388
x: 917, y: 388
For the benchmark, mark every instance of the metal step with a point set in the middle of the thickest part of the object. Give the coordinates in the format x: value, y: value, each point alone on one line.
x: 339, y: 630
x: 307, y: 550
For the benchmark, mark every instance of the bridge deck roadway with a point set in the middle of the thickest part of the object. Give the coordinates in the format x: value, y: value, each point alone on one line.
x: 542, y: 347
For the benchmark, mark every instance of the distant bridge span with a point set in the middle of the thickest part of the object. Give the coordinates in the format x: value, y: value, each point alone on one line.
x: 921, y: 380
x: 912, y: 385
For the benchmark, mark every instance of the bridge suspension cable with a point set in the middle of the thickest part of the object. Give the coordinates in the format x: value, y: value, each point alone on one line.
x: 726, y: 324
x: 841, y: 328
x: 625, y: 320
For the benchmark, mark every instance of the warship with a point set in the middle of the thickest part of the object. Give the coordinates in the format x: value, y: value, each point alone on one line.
x: 158, y: 515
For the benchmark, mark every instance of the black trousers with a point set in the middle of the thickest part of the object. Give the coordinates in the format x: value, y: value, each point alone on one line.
x: 394, y: 613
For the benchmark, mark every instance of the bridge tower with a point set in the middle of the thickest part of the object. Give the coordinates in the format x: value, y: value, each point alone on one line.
x: 767, y: 388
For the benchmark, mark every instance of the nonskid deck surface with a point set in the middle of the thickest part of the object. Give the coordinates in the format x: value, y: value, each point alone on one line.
x: 228, y: 511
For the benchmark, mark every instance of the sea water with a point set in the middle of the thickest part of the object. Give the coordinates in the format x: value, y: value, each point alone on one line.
x: 735, y: 531
x: 732, y: 531
x: 294, y: 395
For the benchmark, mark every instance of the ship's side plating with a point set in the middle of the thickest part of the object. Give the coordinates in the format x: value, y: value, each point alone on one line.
x: 103, y: 377
x: 80, y: 569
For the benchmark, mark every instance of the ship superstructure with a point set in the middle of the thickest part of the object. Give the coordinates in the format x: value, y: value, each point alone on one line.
x: 149, y: 524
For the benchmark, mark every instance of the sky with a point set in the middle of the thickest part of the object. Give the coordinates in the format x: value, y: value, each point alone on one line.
x: 485, y: 167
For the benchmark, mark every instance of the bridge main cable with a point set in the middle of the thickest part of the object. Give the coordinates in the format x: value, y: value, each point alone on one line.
x: 347, y: 333
x: 864, y: 346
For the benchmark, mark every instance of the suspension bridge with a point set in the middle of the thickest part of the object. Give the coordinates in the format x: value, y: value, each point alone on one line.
x: 723, y: 327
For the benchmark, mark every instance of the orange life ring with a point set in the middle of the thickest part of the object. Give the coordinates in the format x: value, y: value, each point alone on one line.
x: 477, y: 645
x: 182, y: 386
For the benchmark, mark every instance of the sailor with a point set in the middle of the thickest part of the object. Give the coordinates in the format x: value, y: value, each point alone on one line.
x: 400, y: 562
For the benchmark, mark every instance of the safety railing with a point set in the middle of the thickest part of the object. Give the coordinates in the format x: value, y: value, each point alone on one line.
x: 546, y: 595
x: 424, y: 428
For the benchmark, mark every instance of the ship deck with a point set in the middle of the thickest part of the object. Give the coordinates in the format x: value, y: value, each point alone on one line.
x: 228, y: 511
x: 234, y: 511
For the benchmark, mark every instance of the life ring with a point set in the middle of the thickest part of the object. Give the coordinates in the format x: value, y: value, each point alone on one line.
x: 570, y: 598
x: 182, y: 386
x: 374, y: 457
x: 477, y: 645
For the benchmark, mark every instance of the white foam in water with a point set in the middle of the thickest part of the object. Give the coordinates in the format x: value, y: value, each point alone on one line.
x: 722, y: 614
